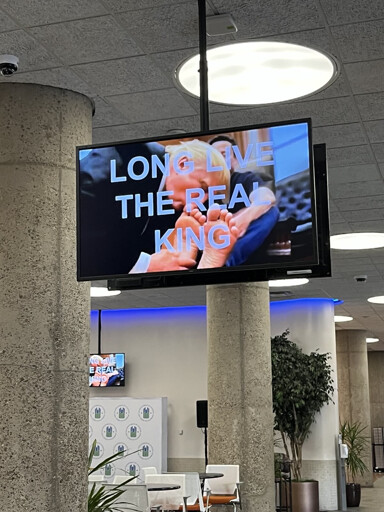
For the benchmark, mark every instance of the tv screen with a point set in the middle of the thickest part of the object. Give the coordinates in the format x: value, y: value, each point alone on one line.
x: 221, y: 206
x: 106, y: 370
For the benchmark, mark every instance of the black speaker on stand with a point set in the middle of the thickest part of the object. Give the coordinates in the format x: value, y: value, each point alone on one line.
x: 202, y: 422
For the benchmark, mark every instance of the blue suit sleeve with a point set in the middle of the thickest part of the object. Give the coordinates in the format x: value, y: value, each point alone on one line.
x: 254, y: 237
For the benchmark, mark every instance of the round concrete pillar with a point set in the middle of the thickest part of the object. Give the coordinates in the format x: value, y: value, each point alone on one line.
x: 44, y: 312
x: 239, y: 388
x: 353, y: 384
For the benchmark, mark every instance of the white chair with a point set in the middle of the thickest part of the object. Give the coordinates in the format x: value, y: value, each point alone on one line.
x: 193, y: 496
x: 167, y: 500
x: 120, y: 479
x: 134, y: 497
x: 226, y: 489
x: 96, y: 478
x: 149, y: 470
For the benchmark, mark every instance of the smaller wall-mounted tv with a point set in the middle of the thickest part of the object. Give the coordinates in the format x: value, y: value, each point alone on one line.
x: 106, y: 370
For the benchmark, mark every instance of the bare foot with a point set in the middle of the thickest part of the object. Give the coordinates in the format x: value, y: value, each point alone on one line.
x: 188, y: 235
x: 221, y: 234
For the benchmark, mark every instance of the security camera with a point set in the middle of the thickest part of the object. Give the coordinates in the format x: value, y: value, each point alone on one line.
x: 361, y: 279
x: 9, y: 64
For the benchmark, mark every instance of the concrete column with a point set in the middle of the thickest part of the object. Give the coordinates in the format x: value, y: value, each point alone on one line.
x: 44, y: 313
x: 311, y: 326
x: 239, y: 388
x: 353, y: 382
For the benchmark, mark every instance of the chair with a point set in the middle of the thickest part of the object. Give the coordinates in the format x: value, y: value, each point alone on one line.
x: 120, y: 479
x: 224, y: 490
x: 193, y: 496
x: 173, y: 499
x: 149, y: 470
x: 134, y: 497
x: 96, y: 478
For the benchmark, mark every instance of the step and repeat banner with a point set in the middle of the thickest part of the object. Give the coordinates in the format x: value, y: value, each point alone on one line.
x: 138, y: 426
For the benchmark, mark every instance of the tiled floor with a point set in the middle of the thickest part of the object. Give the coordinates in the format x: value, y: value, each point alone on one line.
x: 372, y: 499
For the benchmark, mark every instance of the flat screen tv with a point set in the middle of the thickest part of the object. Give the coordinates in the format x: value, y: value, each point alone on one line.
x: 241, y: 204
x: 106, y: 370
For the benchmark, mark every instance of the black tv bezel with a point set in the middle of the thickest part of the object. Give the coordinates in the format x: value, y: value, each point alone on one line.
x: 121, y: 385
x: 319, y: 267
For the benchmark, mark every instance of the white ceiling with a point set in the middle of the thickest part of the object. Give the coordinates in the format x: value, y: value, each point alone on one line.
x: 123, y: 53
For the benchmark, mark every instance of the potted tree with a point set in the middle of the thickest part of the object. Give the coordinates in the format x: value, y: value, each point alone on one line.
x: 352, y: 434
x: 301, y: 385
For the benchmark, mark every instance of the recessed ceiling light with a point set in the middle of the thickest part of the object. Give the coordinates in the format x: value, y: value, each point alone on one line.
x: 379, y: 299
x: 357, y: 241
x: 277, y: 283
x: 258, y: 72
x: 342, y: 318
x: 101, y: 291
x: 371, y: 340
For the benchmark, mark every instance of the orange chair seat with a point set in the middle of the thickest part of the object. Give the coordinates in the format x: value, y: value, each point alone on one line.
x: 194, y: 507
x: 219, y: 499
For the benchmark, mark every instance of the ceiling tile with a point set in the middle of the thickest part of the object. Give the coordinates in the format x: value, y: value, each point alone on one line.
x: 168, y: 27
x: 29, y: 51
x: 256, y: 19
x: 7, y: 23
x: 366, y: 215
x: 341, y: 12
x: 146, y: 106
x: 339, y: 135
x: 375, y: 130
x: 122, y: 76
x: 42, y: 12
x: 360, y: 41
x: 148, y: 129
x: 89, y: 40
x: 371, y: 225
x: 352, y: 173
x: 360, y: 203
x: 365, y: 77
x: 339, y: 227
x: 337, y: 157
x: 55, y: 77
x: 371, y: 106
x: 322, y: 112
x: 378, y: 150
x: 357, y: 189
x: 106, y: 114
x: 133, y: 5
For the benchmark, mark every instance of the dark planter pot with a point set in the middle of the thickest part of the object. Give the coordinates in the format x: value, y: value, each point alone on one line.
x: 305, y: 496
x: 353, y: 495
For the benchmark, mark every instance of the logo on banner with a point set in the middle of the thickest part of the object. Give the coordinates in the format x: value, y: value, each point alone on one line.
x: 121, y: 447
x: 133, y: 431
x: 146, y: 451
x: 109, y: 431
x: 99, y: 451
x: 132, y: 469
x: 109, y: 470
x: 146, y: 413
x: 97, y: 412
x: 121, y: 412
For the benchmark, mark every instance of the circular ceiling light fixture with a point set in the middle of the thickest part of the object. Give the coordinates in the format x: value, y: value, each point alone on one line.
x: 357, y: 241
x: 258, y: 72
x: 379, y: 299
x: 342, y: 318
x: 277, y: 283
x: 101, y: 291
x: 372, y: 340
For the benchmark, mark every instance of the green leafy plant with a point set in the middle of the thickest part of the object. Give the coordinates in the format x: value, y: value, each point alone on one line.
x: 302, y: 385
x: 352, y: 434
x: 102, y: 498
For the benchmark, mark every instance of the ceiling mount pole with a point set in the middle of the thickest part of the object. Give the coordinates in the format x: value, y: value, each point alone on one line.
x: 99, y: 334
x: 204, y: 105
